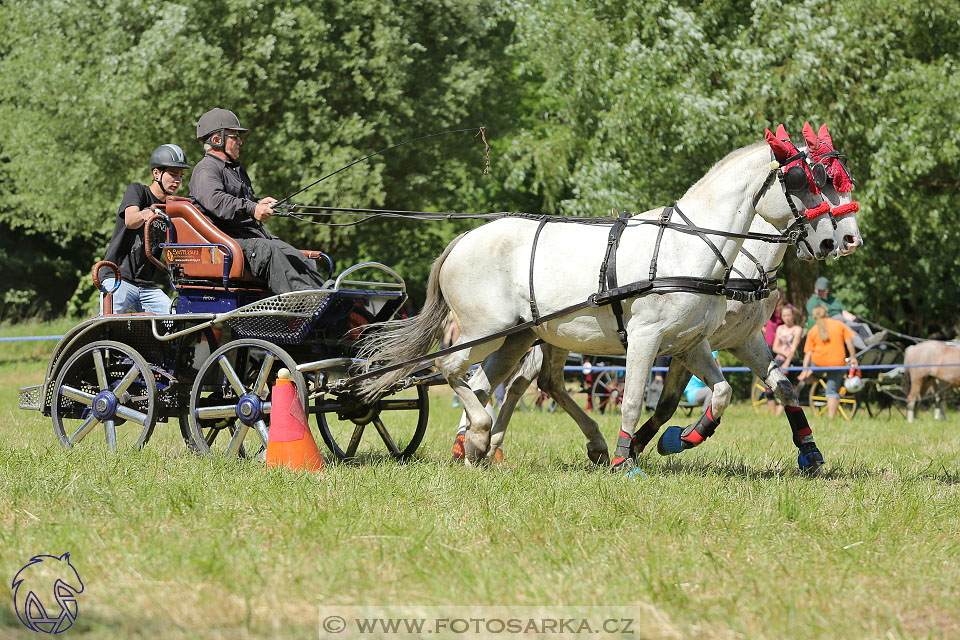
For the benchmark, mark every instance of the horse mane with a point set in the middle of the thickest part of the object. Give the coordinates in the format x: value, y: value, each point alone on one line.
x: 733, y: 156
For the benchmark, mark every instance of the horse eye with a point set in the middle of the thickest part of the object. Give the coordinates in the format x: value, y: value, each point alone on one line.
x: 795, y: 179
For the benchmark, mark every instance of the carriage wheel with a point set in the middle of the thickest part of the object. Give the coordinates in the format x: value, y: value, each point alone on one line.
x: 881, y: 400
x: 105, y: 384
x: 758, y: 397
x: 343, y: 421
x: 607, y: 391
x: 818, y: 400
x: 231, y: 397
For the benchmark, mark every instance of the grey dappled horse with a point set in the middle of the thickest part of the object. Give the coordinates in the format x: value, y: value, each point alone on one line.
x: 482, y: 280
x: 740, y: 332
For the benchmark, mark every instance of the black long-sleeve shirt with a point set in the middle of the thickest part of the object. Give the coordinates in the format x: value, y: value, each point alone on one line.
x: 222, y: 190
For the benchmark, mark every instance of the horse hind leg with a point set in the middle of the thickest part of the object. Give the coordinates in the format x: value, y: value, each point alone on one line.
x: 499, y: 358
x: 551, y: 381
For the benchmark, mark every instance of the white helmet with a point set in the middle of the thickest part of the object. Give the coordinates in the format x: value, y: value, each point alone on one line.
x: 853, y: 384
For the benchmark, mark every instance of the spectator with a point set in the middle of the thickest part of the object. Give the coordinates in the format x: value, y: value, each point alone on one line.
x: 785, y: 345
x: 696, y: 392
x: 825, y: 348
x: 862, y: 337
x: 770, y: 329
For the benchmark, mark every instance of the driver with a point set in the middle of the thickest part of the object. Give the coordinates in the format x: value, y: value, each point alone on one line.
x: 138, y: 291
x: 221, y: 188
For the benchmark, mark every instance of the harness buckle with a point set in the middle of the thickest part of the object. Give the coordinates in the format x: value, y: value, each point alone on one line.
x: 664, y: 217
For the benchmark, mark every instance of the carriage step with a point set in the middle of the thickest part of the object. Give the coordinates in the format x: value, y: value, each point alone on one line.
x: 30, y: 397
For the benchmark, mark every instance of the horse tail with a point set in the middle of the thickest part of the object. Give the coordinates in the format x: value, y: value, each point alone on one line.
x: 399, y: 340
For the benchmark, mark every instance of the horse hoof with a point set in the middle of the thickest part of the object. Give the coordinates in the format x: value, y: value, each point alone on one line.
x: 636, y: 473
x: 620, y: 465
x: 810, y: 461
x: 670, y: 442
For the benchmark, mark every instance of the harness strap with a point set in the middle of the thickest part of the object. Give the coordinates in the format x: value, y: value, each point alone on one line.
x: 533, y: 254
x: 663, y: 220
x: 608, y: 273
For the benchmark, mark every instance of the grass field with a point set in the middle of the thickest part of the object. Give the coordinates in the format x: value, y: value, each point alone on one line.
x: 720, y: 542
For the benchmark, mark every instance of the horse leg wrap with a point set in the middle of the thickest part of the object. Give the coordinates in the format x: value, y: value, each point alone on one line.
x: 643, y: 436
x: 799, y: 426
x: 623, y: 457
x: 675, y: 440
x: 810, y: 459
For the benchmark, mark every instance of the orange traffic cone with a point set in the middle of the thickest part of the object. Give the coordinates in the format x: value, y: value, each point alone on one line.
x: 290, y: 442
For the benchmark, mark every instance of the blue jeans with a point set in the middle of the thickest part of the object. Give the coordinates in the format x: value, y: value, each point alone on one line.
x: 834, y: 380
x: 132, y: 298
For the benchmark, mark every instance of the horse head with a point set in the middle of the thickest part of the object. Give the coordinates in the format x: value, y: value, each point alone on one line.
x: 803, y: 194
x: 836, y: 184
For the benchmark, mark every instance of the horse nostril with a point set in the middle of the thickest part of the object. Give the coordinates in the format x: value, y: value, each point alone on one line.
x: 826, y: 246
x: 853, y: 241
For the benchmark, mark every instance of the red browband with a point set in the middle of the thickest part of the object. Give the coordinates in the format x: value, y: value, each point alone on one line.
x: 850, y: 207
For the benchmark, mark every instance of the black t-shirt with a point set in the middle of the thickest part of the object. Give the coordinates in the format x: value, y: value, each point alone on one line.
x: 126, y: 246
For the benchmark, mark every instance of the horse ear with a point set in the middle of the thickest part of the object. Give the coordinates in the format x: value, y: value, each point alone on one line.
x: 781, y: 150
x: 782, y: 133
x: 813, y: 144
x: 824, y: 136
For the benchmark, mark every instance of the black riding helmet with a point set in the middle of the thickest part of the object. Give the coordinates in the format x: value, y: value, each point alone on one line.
x: 217, y: 121
x: 167, y: 156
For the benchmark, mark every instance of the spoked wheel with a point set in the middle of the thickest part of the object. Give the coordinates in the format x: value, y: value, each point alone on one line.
x: 758, y: 397
x: 353, y: 429
x: 105, y: 384
x: 881, y: 400
x: 607, y: 391
x: 818, y: 400
x: 231, y: 397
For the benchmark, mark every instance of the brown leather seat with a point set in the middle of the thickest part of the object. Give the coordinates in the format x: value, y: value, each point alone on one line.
x: 192, y: 227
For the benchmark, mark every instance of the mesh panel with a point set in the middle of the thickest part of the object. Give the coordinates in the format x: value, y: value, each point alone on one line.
x: 283, y: 319
x: 30, y: 397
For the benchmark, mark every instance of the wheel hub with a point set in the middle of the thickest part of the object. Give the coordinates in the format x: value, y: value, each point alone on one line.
x: 250, y: 408
x: 104, y: 405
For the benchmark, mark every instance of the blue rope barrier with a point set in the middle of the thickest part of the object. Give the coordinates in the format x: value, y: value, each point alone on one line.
x: 30, y: 338
x: 747, y: 370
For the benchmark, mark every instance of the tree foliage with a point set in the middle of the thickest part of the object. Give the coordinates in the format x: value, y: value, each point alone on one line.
x: 589, y: 106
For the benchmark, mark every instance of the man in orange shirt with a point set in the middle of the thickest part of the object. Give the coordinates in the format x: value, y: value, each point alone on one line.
x: 827, y: 345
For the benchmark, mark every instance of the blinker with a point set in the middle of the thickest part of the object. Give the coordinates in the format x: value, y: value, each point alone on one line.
x: 819, y: 174
x: 795, y: 179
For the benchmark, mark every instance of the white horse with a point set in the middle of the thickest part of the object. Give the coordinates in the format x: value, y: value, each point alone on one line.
x: 496, y: 298
x: 740, y: 332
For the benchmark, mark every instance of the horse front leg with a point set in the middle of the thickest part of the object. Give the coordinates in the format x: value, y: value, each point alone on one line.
x: 551, y: 381
x: 756, y: 355
x: 673, y: 385
x: 701, y: 363
x: 641, y: 352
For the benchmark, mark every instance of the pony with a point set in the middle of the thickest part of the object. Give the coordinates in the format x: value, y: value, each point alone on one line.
x: 739, y: 333
x: 935, y: 355
x: 485, y: 280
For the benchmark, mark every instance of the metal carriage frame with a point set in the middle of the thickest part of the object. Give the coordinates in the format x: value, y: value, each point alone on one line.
x: 213, y: 370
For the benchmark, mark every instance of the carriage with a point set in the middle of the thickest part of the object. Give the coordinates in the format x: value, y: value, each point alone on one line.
x: 211, y: 365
